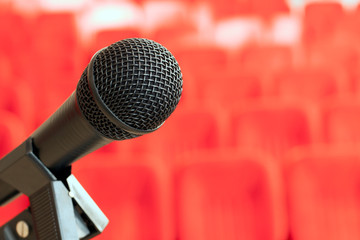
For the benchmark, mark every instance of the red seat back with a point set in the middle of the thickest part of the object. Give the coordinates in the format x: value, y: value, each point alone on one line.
x: 227, y: 200
x: 271, y: 129
x: 323, y: 189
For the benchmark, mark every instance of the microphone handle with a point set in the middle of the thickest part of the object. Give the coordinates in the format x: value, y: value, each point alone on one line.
x: 66, y: 136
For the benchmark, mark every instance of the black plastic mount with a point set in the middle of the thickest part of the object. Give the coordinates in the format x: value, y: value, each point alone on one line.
x: 59, y: 209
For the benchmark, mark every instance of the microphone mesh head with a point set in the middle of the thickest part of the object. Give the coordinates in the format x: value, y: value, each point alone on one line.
x: 138, y: 80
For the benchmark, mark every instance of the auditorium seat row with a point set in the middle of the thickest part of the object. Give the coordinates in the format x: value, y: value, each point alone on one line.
x: 51, y: 81
x: 52, y: 59
x: 229, y: 197
x: 273, y: 128
x: 235, y: 197
x: 228, y: 87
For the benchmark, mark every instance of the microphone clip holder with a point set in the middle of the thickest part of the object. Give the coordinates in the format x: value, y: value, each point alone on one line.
x: 59, y: 209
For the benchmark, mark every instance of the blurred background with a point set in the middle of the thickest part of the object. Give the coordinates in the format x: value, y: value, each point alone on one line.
x: 264, y: 143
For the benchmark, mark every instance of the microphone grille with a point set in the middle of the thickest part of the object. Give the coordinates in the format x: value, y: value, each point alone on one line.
x: 138, y: 80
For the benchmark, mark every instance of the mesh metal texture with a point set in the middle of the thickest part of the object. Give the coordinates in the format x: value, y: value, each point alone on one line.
x: 138, y: 80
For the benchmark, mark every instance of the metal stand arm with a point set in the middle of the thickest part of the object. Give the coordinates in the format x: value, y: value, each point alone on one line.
x: 58, y: 210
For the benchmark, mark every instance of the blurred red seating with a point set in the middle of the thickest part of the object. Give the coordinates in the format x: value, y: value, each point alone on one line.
x: 272, y: 57
x: 19, y: 100
x: 270, y: 128
x: 64, y: 34
x: 13, y: 31
x: 268, y: 9
x: 199, y: 64
x: 170, y: 23
x: 229, y: 200
x: 248, y: 8
x: 12, y: 132
x: 185, y: 132
x: 188, y: 131
x: 134, y: 197
x: 323, y: 192
x: 106, y: 37
x: 340, y: 122
x: 305, y: 85
x: 7, y: 69
x: 264, y: 61
x: 229, y: 89
x: 356, y: 22
x: 15, y: 43
x: 200, y: 60
x: 322, y: 20
x: 58, y: 62
x: 174, y: 36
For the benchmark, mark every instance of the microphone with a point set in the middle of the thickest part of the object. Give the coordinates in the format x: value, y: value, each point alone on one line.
x: 127, y: 90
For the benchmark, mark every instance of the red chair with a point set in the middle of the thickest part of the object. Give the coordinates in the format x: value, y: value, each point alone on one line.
x: 270, y: 59
x: 58, y: 59
x: 199, y: 65
x: 322, y: 20
x: 305, y: 85
x: 106, y: 37
x: 269, y: 9
x: 19, y: 100
x: 202, y: 59
x: 273, y: 129
x: 64, y: 34
x: 15, y: 45
x: 248, y: 8
x: 134, y: 197
x: 340, y: 123
x: 355, y: 23
x: 170, y: 23
x: 174, y: 36
x: 223, y: 199
x: 219, y: 86
x: 229, y: 89
x: 323, y: 193
x: 187, y: 131
x: 14, y: 34
x: 12, y: 132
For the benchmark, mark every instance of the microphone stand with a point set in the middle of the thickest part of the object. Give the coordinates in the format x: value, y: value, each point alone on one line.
x: 59, y: 209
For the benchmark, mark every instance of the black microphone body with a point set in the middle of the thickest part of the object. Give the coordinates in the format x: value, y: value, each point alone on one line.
x: 62, y: 139
x: 66, y: 136
x: 128, y: 89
